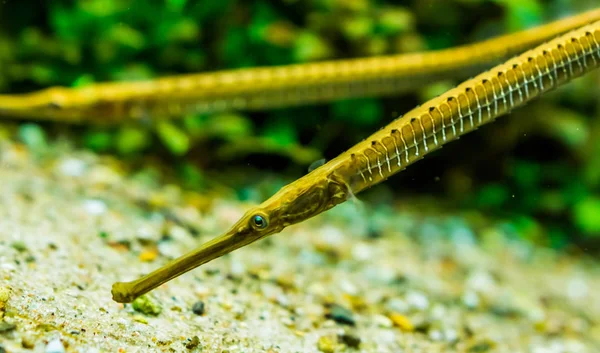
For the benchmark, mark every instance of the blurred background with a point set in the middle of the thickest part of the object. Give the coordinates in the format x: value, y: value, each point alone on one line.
x: 536, y: 172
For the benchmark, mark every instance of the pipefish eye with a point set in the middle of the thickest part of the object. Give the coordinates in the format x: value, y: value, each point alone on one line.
x: 259, y: 222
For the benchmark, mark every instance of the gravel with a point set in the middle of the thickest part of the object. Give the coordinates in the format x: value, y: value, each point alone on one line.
x: 79, y: 226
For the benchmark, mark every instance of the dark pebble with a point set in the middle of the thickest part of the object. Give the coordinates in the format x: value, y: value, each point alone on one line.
x: 349, y: 340
x: 198, y: 308
x: 340, y: 315
x: 6, y: 327
x: 193, y: 343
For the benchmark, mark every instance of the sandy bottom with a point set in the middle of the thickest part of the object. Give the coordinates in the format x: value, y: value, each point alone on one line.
x: 73, y: 224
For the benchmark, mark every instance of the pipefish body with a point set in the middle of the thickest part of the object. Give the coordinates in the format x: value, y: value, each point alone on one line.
x: 278, y: 86
x: 473, y: 103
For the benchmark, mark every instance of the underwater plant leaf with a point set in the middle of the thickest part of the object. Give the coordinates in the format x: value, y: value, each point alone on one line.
x: 175, y: 139
x: 586, y: 215
x: 98, y: 140
x: 131, y: 140
x: 361, y: 111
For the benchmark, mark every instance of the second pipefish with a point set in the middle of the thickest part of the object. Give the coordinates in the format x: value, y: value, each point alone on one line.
x: 279, y: 86
x: 423, y: 130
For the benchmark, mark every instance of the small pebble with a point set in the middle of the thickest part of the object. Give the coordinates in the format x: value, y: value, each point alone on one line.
x: 193, y: 343
x: 4, y: 297
x: 140, y: 319
x: 6, y: 326
x: 362, y: 252
x: 27, y: 342
x: 198, y: 308
x: 402, y: 322
x: 471, y: 299
x: 577, y: 289
x: 55, y: 346
x: 436, y: 335
x: 146, y: 305
x: 147, y: 235
x: 383, y: 321
x: 349, y: 340
x: 356, y: 302
x: 348, y: 287
x: 417, y: 301
x: 326, y: 344
x: 450, y: 335
x: 202, y: 291
x: 481, y: 282
x: 95, y: 207
x: 481, y: 346
x: 19, y: 246
x: 148, y: 255
x: 72, y: 167
x: 397, y: 305
x: 341, y: 315
x: 238, y: 269
x: 168, y: 249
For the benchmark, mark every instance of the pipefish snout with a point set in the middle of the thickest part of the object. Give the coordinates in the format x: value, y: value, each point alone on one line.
x: 423, y: 130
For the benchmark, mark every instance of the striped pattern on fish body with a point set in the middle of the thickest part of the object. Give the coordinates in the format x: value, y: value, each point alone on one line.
x: 474, y: 103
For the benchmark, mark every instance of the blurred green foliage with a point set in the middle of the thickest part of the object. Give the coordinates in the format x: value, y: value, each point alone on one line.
x: 546, y: 158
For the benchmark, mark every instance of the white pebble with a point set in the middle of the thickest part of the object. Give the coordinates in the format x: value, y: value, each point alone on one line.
x: 398, y: 305
x: 72, y: 167
x: 148, y: 233
x: 283, y: 300
x: 168, y: 249
x: 451, y: 335
x: 55, y: 346
x: 481, y: 282
x: 438, y: 311
x: 362, y: 252
x: 417, y: 300
x: 94, y: 207
x: 179, y: 233
x: 237, y: 268
x: 577, y: 289
x: 8, y: 266
x: 471, y: 299
x: 387, y: 337
x: 202, y: 291
x: 333, y: 236
x: 436, y: 335
x: 383, y: 321
x: 348, y: 287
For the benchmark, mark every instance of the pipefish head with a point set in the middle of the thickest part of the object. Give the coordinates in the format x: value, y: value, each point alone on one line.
x: 303, y: 199
x: 50, y: 103
x: 67, y: 105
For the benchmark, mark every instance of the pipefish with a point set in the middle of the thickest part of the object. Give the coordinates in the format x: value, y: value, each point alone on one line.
x: 473, y: 103
x: 279, y: 86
